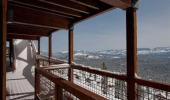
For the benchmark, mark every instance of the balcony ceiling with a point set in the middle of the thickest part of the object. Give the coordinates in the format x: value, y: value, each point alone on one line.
x: 35, y: 18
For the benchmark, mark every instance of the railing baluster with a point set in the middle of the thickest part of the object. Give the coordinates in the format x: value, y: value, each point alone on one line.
x: 58, y: 92
x: 70, y: 74
x: 37, y: 83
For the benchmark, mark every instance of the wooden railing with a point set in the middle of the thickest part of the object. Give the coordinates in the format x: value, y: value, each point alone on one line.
x: 64, y: 87
x: 114, y: 88
x: 44, y: 60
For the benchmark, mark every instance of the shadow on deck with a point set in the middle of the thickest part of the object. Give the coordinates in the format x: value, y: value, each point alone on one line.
x: 20, y: 83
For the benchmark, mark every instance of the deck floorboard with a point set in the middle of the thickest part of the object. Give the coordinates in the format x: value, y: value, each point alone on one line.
x: 20, y: 85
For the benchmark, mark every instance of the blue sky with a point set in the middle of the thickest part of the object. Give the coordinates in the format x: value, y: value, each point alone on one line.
x: 107, y: 31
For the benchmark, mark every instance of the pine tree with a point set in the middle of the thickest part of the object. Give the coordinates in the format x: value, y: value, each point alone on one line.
x: 104, y: 66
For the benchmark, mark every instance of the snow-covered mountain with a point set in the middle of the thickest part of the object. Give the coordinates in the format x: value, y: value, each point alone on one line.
x: 113, y: 54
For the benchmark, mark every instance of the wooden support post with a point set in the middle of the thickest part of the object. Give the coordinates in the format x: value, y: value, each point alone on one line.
x: 70, y: 53
x: 13, y: 55
x: 37, y: 76
x: 131, y: 27
x: 38, y: 46
x: 38, y: 53
x: 49, y: 47
x: 10, y: 53
x: 58, y: 92
x: 37, y: 84
x: 3, y: 33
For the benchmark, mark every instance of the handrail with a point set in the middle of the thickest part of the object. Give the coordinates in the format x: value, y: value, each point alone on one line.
x: 157, y: 85
x: 100, y: 72
x: 76, y: 90
x: 52, y: 60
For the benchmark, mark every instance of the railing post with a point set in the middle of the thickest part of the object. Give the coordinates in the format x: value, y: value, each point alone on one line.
x: 131, y: 27
x: 13, y: 56
x: 38, y: 53
x: 49, y: 48
x: 58, y: 92
x: 70, y: 53
x: 3, y: 34
x: 38, y: 46
x: 37, y: 76
x: 37, y: 83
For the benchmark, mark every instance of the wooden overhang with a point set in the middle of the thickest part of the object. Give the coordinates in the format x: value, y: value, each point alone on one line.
x: 30, y: 19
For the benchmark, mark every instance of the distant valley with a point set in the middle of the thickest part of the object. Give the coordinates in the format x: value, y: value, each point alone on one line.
x: 154, y: 64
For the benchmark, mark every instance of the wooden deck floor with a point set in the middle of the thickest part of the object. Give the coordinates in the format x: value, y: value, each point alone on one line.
x: 20, y: 84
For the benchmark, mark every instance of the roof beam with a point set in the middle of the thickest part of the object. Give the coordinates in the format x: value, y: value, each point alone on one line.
x: 68, y: 5
x: 25, y: 29
x: 22, y: 36
x: 118, y: 3
x: 35, y: 17
x: 88, y: 3
x: 47, y: 7
x: 103, y: 8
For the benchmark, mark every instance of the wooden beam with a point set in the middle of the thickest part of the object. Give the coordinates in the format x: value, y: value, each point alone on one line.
x: 34, y: 17
x: 103, y: 8
x: 131, y: 27
x: 22, y: 36
x: 29, y: 30
x: 118, y: 3
x: 47, y: 7
x: 88, y: 3
x: 49, y: 47
x: 3, y: 32
x: 71, y: 52
x: 68, y: 5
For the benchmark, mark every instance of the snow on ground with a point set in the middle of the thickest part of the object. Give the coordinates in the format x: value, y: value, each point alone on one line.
x: 110, y: 88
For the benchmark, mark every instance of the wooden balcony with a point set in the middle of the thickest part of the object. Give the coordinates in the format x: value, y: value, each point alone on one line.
x: 32, y: 19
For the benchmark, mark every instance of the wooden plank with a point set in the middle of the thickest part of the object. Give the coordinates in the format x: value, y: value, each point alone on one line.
x: 68, y: 5
x: 22, y: 36
x: 47, y: 7
x: 103, y: 8
x: 131, y: 40
x: 88, y: 3
x: 3, y: 32
x: 29, y: 30
x: 34, y: 17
